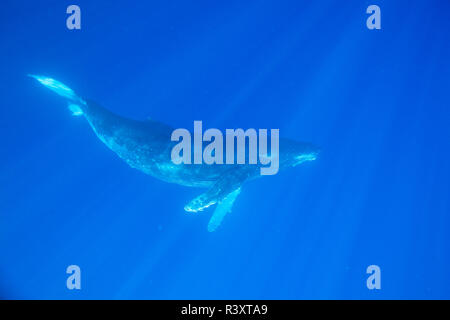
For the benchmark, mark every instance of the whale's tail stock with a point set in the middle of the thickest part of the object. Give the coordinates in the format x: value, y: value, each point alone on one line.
x: 75, y: 102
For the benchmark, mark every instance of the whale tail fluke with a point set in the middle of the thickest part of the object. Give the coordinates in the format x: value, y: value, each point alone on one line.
x: 75, y: 102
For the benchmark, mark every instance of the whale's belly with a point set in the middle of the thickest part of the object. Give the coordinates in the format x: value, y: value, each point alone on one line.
x: 153, y: 158
x: 147, y: 147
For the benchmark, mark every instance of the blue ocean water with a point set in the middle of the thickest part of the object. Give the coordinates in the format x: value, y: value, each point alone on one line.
x: 375, y: 101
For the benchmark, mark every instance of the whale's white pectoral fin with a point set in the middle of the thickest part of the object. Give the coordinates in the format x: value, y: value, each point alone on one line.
x: 226, y: 184
x: 76, y: 109
x: 223, y: 193
x: 201, y: 202
x: 222, y: 209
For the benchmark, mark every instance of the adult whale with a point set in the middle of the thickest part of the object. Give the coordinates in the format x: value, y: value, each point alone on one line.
x: 147, y: 145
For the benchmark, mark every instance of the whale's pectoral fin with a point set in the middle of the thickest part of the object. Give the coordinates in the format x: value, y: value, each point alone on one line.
x: 222, y: 209
x: 224, y: 205
x: 226, y: 184
x: 201, y: 202
x: 223, y: 193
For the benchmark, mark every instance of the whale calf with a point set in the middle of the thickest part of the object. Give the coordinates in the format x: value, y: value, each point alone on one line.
x: 146, y: 146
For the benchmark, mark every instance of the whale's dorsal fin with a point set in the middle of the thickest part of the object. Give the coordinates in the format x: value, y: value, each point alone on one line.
x: 223, y: 193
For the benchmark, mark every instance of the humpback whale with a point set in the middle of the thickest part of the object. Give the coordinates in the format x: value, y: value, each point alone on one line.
x: 146, y: 146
